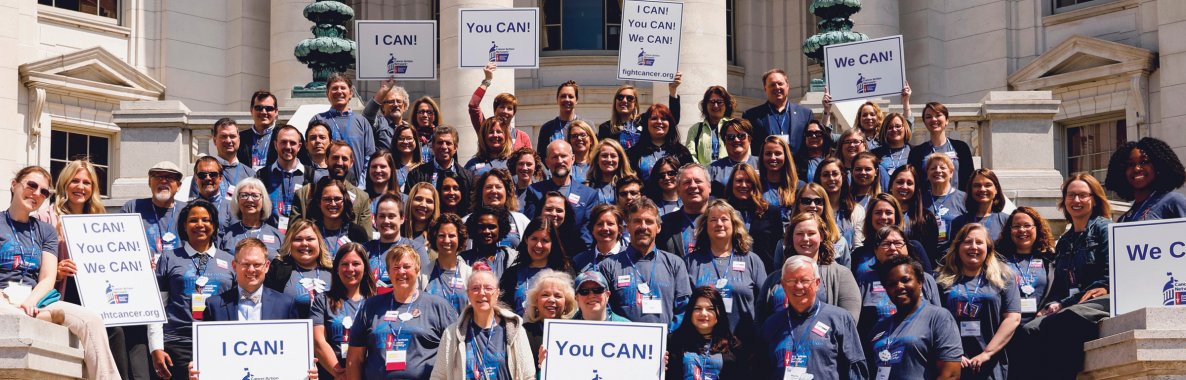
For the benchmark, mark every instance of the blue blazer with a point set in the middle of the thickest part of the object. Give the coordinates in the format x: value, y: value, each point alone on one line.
x: 225, y: 307
x: 760, y: 117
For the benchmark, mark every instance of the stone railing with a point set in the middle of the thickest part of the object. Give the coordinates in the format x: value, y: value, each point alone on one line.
x: 35, y: 349
x: 1148, y: 343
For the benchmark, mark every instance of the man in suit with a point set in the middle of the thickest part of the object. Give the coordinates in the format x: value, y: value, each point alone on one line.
x: 778, y: 116
x: 250, y: 300
x: 678, y: 233
x: 559, y: 160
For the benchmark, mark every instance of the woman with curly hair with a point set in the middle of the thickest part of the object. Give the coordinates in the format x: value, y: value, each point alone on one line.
x: 704, y: 348
x: 1147, y: 172
x: 1028, y: 249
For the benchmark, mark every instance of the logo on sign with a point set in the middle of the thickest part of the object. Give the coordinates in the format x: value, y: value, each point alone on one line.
x: 596, y: 376
x: 1174, y: 292
x: 396, y: 66
x: 249, y: 376
x: 116, y: 296
x: 866, y: 85
x: 645, y: 59
x: 498, y: 54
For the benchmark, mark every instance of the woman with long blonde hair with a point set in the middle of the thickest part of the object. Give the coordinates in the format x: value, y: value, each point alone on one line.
x: 724, y: 259
x: 608, y: 163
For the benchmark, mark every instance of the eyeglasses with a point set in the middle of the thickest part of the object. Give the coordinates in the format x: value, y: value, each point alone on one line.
x: 482, y: 289
x: 1022, y: 227
x: 259, y: 108
x: 392, y: 102
x: 1077, y: 196
x: 807, y: 201
x: 424, y: 112
x: 36, y: 187
x: 814, y: 134
x: 736, y: 136
x: 852, y: 142
x: 892, y: 244
x: 249, y: 196
x: 800, y: 282
x: 586, y: 291
x: 165, y: 177
x: 628, y: 98
x: 669, y: 174
x: 207, y: 175
x: 716, y: 102
x: 575, y: 136
x: 332, y: 200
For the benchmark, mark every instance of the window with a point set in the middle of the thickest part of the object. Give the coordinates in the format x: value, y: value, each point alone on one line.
x: 102, y: 8
x: 581, y: 24
x: 1070, y: 5
x: 730, y: 13
x: 67, y: 146
x: 1089, y: 146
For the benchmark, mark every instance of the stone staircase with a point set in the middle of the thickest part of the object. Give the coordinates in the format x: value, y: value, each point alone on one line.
x: 35, y: 350
x: 1147, y: 344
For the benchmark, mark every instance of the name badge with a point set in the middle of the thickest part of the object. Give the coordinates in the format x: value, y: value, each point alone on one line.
x: 623, y: 281
x: 970, y: 328
x: 282, y: 224
x: 221, y: 263
x: 230, y: 192
x: 883, y: 373
x: 652, y: 305
x: 268, y: 239
x: 877, y: 288
x: 391, y: 316
x: 198, y: 304
x: 1036, y: 263
x: 796, y: 373
x: 397, y: 355
x: 574, y: 199
x: 739, y: 266
x: 343, y: 240
x: 1029, y: 305
x: 820, y: 329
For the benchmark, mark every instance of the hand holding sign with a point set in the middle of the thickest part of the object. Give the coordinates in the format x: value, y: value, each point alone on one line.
x: 865, y: 69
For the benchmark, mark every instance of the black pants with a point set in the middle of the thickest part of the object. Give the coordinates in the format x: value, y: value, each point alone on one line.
x: 138, y: 361
x: 181, y: 352
x: 1051, y: 347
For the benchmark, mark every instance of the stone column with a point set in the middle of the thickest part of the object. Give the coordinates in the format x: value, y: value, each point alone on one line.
x: 150, y: 132
x: 457, y: 85
x: 704, y: 31
x: 287, y: 27
x: 877, y: 18
x: 1017, y: 142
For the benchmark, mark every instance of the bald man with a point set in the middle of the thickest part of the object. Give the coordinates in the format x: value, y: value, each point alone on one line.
x: 558, y: 159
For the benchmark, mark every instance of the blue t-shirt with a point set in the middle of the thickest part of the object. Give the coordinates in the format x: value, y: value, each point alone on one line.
x: 21, y: 246
x: 178, y: 274
x: 336, y: 322
x: 911, y: 349
x: 665, y: 276
x: 524, y: 276
x: 741, y: 276
x: 448, y: 284
x: 267, y: 233
x: 946, y: 208
x: 160, y: 225
x: 379, y: 327
x: 875, y: 303
x: 994, y: 222
x: 823, y: 340
x: 721, y: 170
x: 486, y: 352
x: 1032, y: 280
x: 352, y: 128
x: 304, y: 285
x: 949, y: 150
x: 497, y: 257
x: 480, y: 166
x: 978, y: 308
x: 377, y: 251
x: 1159, y: 205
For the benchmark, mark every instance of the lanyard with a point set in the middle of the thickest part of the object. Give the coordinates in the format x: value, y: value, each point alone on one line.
x: 972, y: 296
x: 897, y: 330
x: 1028, y: 275
x: 259, y: 147
x: 163, y: 229
x: 634, y: 268
x: 479, y: 369
x: 201, y: 263
x: 778, y: 118
x: 21, y: 245
x: 795, y: 345
x: 717, y: 269
x: 937, y: 202
x: 1142, y: 211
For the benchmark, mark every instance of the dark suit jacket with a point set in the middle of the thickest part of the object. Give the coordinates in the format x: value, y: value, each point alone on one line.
x: 757, y: 116
x: 963, y: 153
x: 225, y: 307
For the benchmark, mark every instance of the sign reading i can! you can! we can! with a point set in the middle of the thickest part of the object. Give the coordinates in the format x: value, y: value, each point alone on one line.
x: 650, y: 40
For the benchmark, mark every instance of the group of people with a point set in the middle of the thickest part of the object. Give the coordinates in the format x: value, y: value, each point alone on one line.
x: 769, y: 244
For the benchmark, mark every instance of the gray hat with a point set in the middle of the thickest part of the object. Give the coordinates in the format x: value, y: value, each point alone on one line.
x: 165, y: 167
x: 591, y: 275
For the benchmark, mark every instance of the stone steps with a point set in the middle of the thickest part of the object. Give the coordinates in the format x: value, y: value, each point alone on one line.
x: 35, y: 349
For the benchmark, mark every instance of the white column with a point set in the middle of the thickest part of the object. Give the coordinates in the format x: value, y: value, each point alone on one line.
x: 457, y: 85
x: 1022, y: 121
x: 288, y: 26
x: 702, y: 59
x: 877, y: 18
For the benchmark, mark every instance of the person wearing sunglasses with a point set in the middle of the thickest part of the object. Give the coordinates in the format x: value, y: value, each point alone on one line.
x: 251, y: 208
x: 817, y: 144
x: 704, y: 137
x: 226, y: 143
x: 662, y: 187
x: 208, y: 181
x: 28, y: 269
x: 256, y: 142
x: 593, y: 298
x: 159, y: 212
x: 736, y: 134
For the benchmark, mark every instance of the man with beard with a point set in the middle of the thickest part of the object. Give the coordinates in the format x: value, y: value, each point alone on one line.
x: 810, y: 337
x: 159, y: 212
x: 678, y: 235
x: 256, y: 142
x: 778, y: 116
x: 283, y: 177
x: 444, y: 152
x: 647, y: 284
x: 559, y: 161
x: 392, y: 100
x: 345, y: 125
x: 340, y: 162
x: 226, y: 144
x: 208, y: 181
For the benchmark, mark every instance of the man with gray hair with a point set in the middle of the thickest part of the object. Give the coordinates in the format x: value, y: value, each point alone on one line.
x: 393, y: 101
x: 811, y: 339
x: 693, y: 187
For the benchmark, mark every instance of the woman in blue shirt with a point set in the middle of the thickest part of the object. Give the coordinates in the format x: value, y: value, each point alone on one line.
x: 304, y: 254
x: 1027, y: 246
x: 660, y: 187
x: 445, y: 276
x: 893, y: 145
x: 922, y: 340
x: 494, y: 149
x: 724, y: 260
x: 332, y: 211
x: 609, y: 163
x: 333, y: 312
x: 541, y: 249
x: 985, y: 202
x: 703, y: 347
x: 659, y: 139
x: 406, y: 149
x: 944, y: 199
x: 917, y: 220
x: 777, y: 174
x: 817, y: 144
x: 1147, y: 172
x: 757, y: 216
x: 848, y: 213
x: 252, y: 208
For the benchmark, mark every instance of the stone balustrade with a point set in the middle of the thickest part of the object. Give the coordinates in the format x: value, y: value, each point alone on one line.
x: 34, y: 350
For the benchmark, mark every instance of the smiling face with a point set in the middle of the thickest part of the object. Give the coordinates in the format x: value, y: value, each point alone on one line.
x: 737, y: 141
x: 704, y: 315
x: 163, y: 185
x: 625, y: 102
x: 938, y: 172
x: 448, y: 240
x: 494, y: 192
x: 983, y: 190
x: 806, y: 238
x: 288, y: 143
x: 606, y: 228
x: 800, y: 286
x: 658, y: 126
x: 643, y: 225
x: 332, y: 202
x: 668, y: 176
x: 867, y: 117
x: 715, y: 106
x: 525, y: 168
x: 80, y: 188
x: 422, y: 205
x: 379, y: 171
x: 554, y: 209
x: 550, y: 300
x: 814, y: 136
x: 720, y: 225
x: 425, y: 116
x: 566, y: 99
x: 776, y: 88
x: 1139, y: 170
x: 305, y: 248
x: 403, y: 273
x: 1023, y: 231
x: 264, y: 111
x: 592, y: 303
x: 351, y: 268
x: 743, y: 186
x: 443, y: 149
x: 250, y: 265
x: 450, y: 193
x: 339, y: 94
x: 895, y: 132
x: 883, y: 215
x: 389, y: 218
x: 227, y: 141
x: 341, y: 159
x: 831, y: 178
x: 487, y: 233
x: 864, y: 173
x: 902, y: 187
x: 496, y: 138
x: 934, y: 121
x: 773, y: 157
x: 405, y: 143
x: 482, y: 291
x: 608, y: 160
x: 250, y: 200
x: 694, y: 187
x: 199, y: 227
x: 903, y: 287
x: 1077, y: 200
x: 628, y: 194
x: 892, y: 246
x: 580, y: 140
x: 851, y: 145
x: 317, y: 140
x: 810, y: 201
x: 974, y: 250
x: 539, y: 245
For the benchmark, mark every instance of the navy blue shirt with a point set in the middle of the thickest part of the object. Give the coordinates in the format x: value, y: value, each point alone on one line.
x: 665, y: 276
x: 911, y: 349
x: 742, y: 276
x: 979, y: 308
x: 354, y: 129
x: 823, y: 340
x: 378, y: 325
x: 160, y: 225
x: 21, y: 246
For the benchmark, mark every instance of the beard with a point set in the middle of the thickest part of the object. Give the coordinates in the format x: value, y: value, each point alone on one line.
x: 162, y: 196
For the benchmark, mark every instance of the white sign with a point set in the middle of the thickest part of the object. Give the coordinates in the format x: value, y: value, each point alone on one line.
x: 508, y: 36
x: 1148, y: 264
x: 279, y: 350
x: 404, y: 49
x: 603, y: 350
x: 865, y: 69
x: 115, y: 277
x: 649, y: 48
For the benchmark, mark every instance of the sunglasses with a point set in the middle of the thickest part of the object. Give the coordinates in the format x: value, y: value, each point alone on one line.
x: 814, y: 134
x: 669, y: 173
x: 598, y: 291
x: 811, y: 201
x: 736, y: 137
x: 628, y: 98
x: 45, y: 192
x: 207, y: 175
x: 264, y: 108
